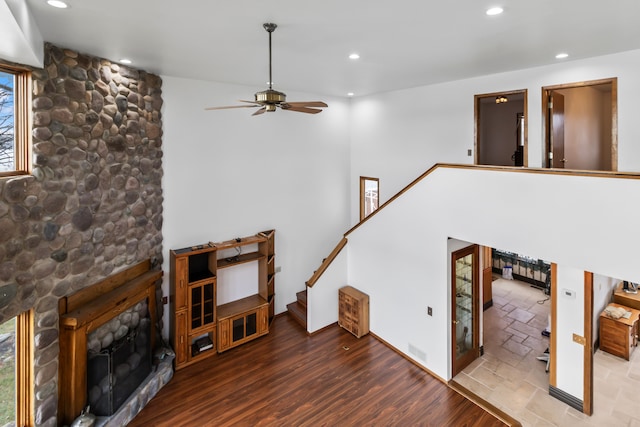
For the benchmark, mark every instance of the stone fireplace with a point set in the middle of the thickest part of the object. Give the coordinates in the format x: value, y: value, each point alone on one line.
x: 107, y: 335
x: 92, y: 205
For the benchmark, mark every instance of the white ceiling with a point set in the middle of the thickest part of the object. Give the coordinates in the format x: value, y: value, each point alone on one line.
x: 402, y: 43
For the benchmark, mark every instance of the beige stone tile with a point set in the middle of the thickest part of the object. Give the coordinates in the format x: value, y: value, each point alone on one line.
x: 517, y: 334
x: 521, y: 315
x: 516, y: 347
x: 538, y: 377
x: 547, y: 407
x: 513, y: 397
x: 486, y: 377
x: 626, y: 406
x: 473, y: 385
x: 525, y: 329
x: 539, y: 346
x: 529, y: 419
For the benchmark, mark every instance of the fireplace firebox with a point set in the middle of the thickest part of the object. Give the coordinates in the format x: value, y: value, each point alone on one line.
x: 114, y: 372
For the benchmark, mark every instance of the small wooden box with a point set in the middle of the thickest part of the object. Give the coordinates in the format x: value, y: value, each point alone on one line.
x: 353, y: 311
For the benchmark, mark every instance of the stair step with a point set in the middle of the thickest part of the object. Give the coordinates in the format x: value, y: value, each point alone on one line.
x: 299, y: 313
x: 302, y: 298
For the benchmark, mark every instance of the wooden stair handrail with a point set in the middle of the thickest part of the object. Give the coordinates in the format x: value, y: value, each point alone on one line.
x: 571, y: 172
x: 326, y: 262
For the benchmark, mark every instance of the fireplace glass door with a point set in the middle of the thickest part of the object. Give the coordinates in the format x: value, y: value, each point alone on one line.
x: 118, y: 359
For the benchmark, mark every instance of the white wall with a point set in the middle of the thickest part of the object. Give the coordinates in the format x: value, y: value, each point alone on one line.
x: 569, y: 320
x: 324, y: 294
x: 396, y: 136
x: 400, y: 256
x: 228, y: 174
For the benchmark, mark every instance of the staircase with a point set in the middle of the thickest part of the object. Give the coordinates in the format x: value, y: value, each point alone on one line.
x: 298, y: 309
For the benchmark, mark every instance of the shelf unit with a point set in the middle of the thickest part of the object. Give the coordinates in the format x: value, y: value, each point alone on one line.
x: 199, y: 327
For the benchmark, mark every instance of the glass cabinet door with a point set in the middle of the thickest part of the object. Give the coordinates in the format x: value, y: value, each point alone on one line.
x: 202, y: 303
x: 464, y: 313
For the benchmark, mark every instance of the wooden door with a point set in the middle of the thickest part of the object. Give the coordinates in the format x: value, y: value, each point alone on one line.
x: 487, y: 278
x: 556, y: 130
x: 464, y: 307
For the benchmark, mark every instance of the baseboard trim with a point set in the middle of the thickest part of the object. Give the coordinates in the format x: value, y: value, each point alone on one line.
x: 565, y: 397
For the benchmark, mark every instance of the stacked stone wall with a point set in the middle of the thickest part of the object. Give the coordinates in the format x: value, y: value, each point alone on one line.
x: 93, y: 204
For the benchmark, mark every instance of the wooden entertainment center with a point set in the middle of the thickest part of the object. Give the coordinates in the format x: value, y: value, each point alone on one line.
x: 199, y: 326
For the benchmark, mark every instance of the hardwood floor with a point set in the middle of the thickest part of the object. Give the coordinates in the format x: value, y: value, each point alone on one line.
x: 288, y: 378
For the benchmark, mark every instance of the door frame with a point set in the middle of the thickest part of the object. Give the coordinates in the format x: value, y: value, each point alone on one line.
x: 614, y: 116
x: 474, y: 353
x: 477, y: 99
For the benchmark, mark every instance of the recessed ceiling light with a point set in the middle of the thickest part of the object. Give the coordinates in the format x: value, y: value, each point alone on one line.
x: 57, y: 3
x: 495, y: 11
x: 350, y: 94
x: 562, y: 55
x: 354, y: 56
x: 125, y: 61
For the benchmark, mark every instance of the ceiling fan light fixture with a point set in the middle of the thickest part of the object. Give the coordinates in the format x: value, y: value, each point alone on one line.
x: 270, y: 96
x: 501, y: 99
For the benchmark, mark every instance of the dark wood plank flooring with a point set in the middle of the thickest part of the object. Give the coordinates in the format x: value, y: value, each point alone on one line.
x: 288, y: 378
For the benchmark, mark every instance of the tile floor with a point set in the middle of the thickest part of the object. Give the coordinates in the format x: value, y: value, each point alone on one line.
x: 510, y: 377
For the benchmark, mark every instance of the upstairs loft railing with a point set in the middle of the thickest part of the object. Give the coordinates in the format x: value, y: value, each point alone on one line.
x: 571, y: 172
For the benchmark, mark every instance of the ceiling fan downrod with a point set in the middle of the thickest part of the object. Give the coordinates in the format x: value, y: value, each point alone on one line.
x: 270, y: 27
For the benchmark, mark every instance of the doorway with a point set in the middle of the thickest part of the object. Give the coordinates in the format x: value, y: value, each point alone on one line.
x: 501, y: 128
x: 580, y: 125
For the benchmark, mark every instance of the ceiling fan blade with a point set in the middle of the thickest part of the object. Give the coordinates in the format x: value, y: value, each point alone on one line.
x: 301, y: 109
x: 231, y: 106
x: 308, y: 104
x: 260, y: 111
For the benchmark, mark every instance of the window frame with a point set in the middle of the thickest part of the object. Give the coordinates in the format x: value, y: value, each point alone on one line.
x: 363, y: 180
x: 24, y: 369
x: 21, y: 121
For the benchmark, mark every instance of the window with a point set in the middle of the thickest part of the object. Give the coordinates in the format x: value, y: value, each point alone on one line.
x: 14, y: 125
x: 16, y: 367
x: 369, y: 196
x: 8, y: 372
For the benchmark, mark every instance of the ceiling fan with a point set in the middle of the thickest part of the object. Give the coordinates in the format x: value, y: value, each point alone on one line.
x: 269, y: 99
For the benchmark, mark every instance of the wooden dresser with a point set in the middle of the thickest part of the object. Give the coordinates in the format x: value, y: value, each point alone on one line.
x: 619, y: 336
x: 353, y: 311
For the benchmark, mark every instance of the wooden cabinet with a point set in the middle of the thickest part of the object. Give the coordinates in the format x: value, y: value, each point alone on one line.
x: 199, y: 327
x: 353, y: 311
x: 619, y: 336
x: 241, y: 321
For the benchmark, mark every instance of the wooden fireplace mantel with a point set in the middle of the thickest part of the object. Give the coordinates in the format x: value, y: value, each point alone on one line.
x: 85, y: 311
